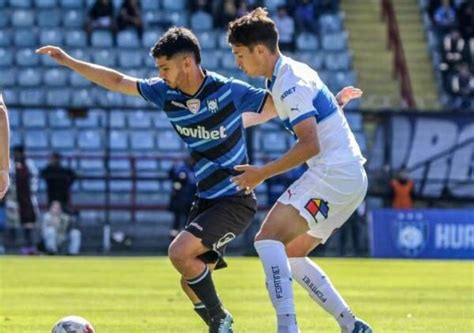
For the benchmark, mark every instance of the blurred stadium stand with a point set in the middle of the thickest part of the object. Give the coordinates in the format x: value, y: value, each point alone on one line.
x: 121, y: 147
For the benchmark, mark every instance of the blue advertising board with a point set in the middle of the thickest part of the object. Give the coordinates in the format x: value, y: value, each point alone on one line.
x: 422, y: 233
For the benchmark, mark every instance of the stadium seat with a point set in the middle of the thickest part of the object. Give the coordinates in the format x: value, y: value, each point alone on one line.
x: 130, y: 58
x: 82, y: 98
x: 150, y: 5
x: 117, y: 119
x: 29, y: 77
x: 20, y: 3
x: 335, y: 41
x: 92, y: 165
x: 104, y: 57
x: 16, y: 138
x: 75, y: 38
x: 45, y: 3
x: 150, y: 37
x: 12, y: 96
x: 136, y: 102
x: 222, y: 40
x: 160, y: 120
x: 118, y: 140
x: 27, y: 57
x: 48, y: 18
x: 128, y: 39
x: 25, y: 38
x: 59, y: 118
x: 139, y: 119
x: 56, y: 77
x: 153, y: 19
x: 210, y: 59
x: 120, y: 165
x: 272, y: 5
x: 63, y: 139
x: 22, y: 18
x: 338, y: 61
x: 273, y: 142
x: 306, y: 42
x: 80, y: 54
x: 74, y: 19
x: 102, y: 38
x: 106, y: 98
x: 168, y: 141
x: 329, y: 23
x: 14, y: 118
x: 201, y: 21
x: 5, y: 38
x: 228, y: 61
x: 77, y: 80
x: 59, y: 97
x: 146, y: 166
x: 94, y: 119
x: 90, y: 139
x: 314, y: 59
x: 31, y: 97
x: 4, y: 18
x: 93, y: 185
x: 178, y: 5
x: 6, y: 58
x: 51, y: 37
x: 152, y: 186
x: 207, y: 39
x: 8, y: 77
x: 36, y: 139
x: 32, y: 118
x: 142, y: 140
x: 71, y: 4
x: 179, y: 19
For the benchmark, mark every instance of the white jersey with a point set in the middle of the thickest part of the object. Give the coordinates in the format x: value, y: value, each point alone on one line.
x: 299, y: 93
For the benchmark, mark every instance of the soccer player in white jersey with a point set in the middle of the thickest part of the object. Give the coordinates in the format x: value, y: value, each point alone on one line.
x: 4, y: 149
x: 324, y: 197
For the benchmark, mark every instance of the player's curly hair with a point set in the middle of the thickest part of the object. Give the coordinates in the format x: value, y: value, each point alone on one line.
x: 252, y: 29
x: 177, y: 40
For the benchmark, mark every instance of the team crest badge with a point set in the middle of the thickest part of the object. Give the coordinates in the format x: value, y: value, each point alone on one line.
x: 411, y: 235
x: 212, y: 105
x: 193, y: 105
x: 318, y: 208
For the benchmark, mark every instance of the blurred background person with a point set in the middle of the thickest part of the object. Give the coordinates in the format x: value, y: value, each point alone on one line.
x: 100, y: 16
x: 402, y: 187
x: 130, y: 16
x: 183, y: 190
x: 59, y: 180
x: 57, y: 228
x: 22, y: 204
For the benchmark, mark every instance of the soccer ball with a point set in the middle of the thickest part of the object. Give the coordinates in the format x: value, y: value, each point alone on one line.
x: 73, y: 324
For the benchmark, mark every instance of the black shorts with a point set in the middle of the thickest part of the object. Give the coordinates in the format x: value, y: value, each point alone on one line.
x: 218, y: 221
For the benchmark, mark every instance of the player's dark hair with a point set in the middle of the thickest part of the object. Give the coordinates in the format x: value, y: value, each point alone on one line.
x: 252, y: 29
x: 175, y: 41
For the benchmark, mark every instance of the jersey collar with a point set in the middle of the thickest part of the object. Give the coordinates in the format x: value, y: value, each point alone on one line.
x: 269, y: 83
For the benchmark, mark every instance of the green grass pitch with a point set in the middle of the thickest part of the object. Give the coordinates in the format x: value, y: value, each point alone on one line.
x: 141, y: 294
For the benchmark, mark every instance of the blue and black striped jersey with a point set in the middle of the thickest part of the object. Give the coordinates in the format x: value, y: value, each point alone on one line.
x: 210, y: 124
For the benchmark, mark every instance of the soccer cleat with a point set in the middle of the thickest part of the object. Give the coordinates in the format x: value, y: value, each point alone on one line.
x: 221, y: 324
x: 360, y: 326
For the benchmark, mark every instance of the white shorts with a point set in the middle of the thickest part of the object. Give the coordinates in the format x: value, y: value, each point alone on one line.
x: 326, y: 196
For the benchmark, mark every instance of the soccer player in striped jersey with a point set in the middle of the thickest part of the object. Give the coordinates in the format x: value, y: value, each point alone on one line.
x: 4, y: 149
x: 205, y: 109
x: 324, y: 197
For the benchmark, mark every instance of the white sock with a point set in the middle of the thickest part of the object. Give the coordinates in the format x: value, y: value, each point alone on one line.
x: 279, y: 282
x: 312, y: 278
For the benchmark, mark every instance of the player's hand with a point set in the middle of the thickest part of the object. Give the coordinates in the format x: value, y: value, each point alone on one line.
x: 347, y: 94
x: 251, y: 177
x: 55, y: 53
x: 4, y: 183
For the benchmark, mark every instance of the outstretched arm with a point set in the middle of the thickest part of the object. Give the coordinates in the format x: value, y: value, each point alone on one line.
x: 347, y: 94
x: 4, y: 149
x: 103, y: 76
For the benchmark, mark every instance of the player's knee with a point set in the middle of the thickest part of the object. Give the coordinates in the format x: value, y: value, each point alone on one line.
x: 176, y: 253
